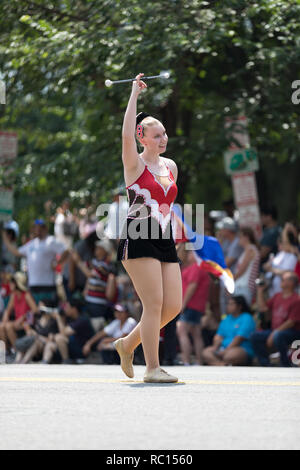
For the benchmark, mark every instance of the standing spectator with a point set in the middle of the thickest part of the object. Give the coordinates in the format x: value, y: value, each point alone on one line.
x: 101, y: 287
x: 195, y: 290
x: 9, y: 260
x: 231, y: 345
x: 20, y: 303
x: 116, y: 217
x: 271, y: 232
x: 65, y: 226
x: 41, y: 255
x: 74, y: 279
x: 228, y: 229
x: 231, y: 247
x: 284, y: 308
x: 247, y: 268
x: 284, y: 260
x: 118, y: 328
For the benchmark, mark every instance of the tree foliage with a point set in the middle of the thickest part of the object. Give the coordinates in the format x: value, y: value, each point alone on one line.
x: 226, y: 57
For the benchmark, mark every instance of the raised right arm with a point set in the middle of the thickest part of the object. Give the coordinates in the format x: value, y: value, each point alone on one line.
x: 129, y: 149
x: 10, y: 246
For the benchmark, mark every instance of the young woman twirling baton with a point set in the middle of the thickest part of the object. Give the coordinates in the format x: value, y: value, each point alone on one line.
x: 151, y: 261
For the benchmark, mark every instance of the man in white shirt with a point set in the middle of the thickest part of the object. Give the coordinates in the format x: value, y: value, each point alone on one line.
x: 41, y: 255
x: 118, y: 328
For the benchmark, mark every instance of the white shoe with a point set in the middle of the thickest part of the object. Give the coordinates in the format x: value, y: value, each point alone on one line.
x: 159, y: 375
x: 126, y: 358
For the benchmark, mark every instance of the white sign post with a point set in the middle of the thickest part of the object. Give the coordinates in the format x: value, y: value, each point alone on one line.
x: 240, y: 162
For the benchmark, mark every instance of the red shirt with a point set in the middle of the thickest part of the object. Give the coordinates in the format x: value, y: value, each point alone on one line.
x: 191, y: 274
x: 284, y: 308
x: 297, y: 269
x: 21, y: 306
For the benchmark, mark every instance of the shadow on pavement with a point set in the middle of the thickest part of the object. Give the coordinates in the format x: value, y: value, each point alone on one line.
x: 142, y: 385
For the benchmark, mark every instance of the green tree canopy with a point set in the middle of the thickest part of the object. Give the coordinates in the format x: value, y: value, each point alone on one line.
x: 226, y: 57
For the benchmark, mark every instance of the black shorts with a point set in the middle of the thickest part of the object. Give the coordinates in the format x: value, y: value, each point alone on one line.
x: 162, y: 247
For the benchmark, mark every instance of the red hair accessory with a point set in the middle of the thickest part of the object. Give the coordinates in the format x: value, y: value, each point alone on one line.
x: 140, y: 130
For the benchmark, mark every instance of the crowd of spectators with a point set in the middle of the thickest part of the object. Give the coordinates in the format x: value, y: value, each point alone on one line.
x: 65, y: 299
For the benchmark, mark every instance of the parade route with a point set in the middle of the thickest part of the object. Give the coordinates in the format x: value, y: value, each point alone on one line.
x: 96, y: 407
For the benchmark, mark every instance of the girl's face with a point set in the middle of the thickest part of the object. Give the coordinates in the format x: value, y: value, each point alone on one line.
x: 155, y: 139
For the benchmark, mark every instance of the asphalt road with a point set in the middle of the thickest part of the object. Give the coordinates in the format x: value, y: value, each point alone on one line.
x: 97, y: 407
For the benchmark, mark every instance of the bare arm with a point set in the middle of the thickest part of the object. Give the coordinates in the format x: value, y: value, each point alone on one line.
x: 245, y: 263
x: 217, y: 341
x: 190, y: 291
x: 261, y: 303
x: 8, y: 309
x: 129, y: 150
x: 111, y: 287
x: 81, y: 265
x: 31, y: 302
x: 10, y: 246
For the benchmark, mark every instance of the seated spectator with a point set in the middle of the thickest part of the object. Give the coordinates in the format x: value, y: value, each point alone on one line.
x: 118, y: 328
x: 231, y: 345
x: 284, y: 309
x: 195, y: 287
x: 20, y: 303
x: 284, y: 260
x: 247, y: 268
x: 271, y: 232
x: 72, y: 335
x: 227, y: 229
x: 101, y: 287
x: 38, y: 336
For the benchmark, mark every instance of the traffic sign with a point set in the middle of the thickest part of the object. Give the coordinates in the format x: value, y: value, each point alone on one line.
x: 6, y: 204
x: 240, y: 161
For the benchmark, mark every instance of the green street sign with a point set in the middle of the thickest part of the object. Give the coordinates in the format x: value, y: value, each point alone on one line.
x: 6, y: 205
x: 240, y: 161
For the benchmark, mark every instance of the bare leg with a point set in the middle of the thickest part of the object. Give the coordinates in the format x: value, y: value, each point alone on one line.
x: 49, y: 350
x: 171, y: 304
x: 198, y: 343
x: 236, y: 357
x: 62, y: 344
x: 2, y: 332
x: 32, y: 351
x: 183, y: 329
x: 210, y: 358
x: 146, y: 276
x: 11, y: 333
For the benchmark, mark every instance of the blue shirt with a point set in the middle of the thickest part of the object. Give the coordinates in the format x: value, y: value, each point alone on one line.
x: 231, y: 326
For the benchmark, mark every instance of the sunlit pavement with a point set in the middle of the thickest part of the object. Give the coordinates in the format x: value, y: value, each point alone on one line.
x: 97, y: 407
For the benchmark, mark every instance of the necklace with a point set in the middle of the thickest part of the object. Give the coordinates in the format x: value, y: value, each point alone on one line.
x: 161, y: 171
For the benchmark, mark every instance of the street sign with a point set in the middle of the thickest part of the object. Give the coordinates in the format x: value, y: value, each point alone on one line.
x: 6, y: 204
x: 240, y: 161
x: 237, y: 132
x: 246, y: 200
